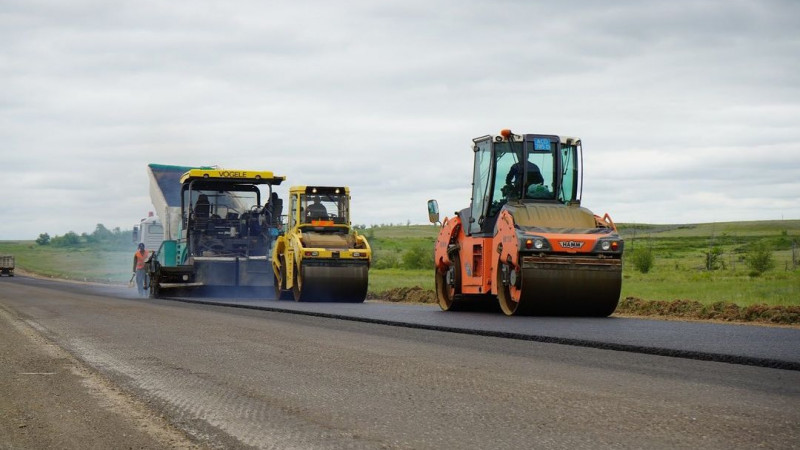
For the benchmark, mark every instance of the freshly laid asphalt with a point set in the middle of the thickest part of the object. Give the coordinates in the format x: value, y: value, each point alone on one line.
x: 739, y: 344
x: 755, y: 345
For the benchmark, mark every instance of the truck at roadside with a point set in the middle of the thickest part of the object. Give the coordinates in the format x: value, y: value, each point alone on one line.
x: 149, y: 231
x: 7, y: 265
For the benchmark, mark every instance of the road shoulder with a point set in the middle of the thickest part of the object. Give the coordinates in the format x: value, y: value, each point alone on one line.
x: 48, y: 399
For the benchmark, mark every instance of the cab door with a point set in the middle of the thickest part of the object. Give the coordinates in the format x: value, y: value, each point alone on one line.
x: 474, y: 244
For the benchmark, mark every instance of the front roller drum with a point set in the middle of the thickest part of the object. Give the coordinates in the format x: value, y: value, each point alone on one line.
x: 563, y: 287
x: 331, y: 283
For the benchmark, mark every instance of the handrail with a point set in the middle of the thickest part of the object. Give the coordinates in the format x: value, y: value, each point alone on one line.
x: 154, y: 254
x: 607, y: 219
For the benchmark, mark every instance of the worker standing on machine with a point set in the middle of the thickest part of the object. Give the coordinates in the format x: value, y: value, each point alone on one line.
x: 139, y: 261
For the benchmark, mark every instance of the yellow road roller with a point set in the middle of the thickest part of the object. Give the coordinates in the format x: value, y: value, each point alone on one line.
x: 320, y: 257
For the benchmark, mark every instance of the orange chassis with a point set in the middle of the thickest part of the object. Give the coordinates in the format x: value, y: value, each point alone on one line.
x: 479, y: 256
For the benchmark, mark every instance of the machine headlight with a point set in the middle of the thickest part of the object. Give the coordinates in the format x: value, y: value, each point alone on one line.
x: 610, y: 246
x: 533, y: 243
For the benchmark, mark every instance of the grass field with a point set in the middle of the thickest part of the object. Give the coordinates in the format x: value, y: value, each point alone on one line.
x: 82, y: 264
x: 384, y: 279
x: 679, y: 271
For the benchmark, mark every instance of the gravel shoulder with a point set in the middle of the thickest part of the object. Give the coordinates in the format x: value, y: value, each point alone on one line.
x: 48, y: 399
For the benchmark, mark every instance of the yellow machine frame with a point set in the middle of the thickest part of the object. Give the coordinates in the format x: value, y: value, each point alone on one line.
x: 306, y: 241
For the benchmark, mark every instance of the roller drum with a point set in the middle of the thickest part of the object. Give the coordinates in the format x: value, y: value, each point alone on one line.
x: 569, y: 286
x: 332, y: 282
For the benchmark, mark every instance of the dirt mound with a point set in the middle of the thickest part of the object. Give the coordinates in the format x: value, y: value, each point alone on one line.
x: 414, y: 294
x: 725, y: 311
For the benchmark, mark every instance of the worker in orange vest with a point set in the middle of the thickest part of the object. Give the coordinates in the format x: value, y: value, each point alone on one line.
x: 139, y: 261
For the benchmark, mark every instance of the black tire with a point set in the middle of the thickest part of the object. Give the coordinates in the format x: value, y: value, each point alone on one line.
x: 507, y: 305
x: 297, y: 289
x: 276, y: 284
x: 448, y: 286
x: 280, y: 283
x: 155, y: 288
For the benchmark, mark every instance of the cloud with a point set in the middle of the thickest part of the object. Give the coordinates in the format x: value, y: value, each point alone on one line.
x: 687, y: 109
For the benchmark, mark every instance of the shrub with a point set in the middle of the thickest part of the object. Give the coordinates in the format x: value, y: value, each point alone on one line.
x: 418, y: 258
x: 643, y: 259
x: 714, y: 259
x: 385, y: 260
x: 759, y: 259
x: 43, y: 239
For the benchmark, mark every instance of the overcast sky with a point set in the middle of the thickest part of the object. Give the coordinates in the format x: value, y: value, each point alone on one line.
x: 689, y: 111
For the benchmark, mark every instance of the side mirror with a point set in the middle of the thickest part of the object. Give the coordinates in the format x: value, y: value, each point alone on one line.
x: 433, y: 211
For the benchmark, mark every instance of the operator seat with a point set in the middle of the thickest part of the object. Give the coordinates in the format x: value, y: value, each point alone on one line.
x: 202, y: 207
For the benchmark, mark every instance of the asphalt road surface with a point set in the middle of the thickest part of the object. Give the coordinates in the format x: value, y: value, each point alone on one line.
x: 93, y: 367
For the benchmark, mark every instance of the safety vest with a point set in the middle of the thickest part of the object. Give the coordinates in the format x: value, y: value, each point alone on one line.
x: 140, y: 258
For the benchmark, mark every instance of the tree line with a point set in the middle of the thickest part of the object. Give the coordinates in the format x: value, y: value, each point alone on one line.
x: 101, y: 239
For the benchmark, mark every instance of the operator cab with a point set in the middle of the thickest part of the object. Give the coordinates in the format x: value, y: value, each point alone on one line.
x: 320, y: 208
x: 520, y: 169
x: 223, y: 213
